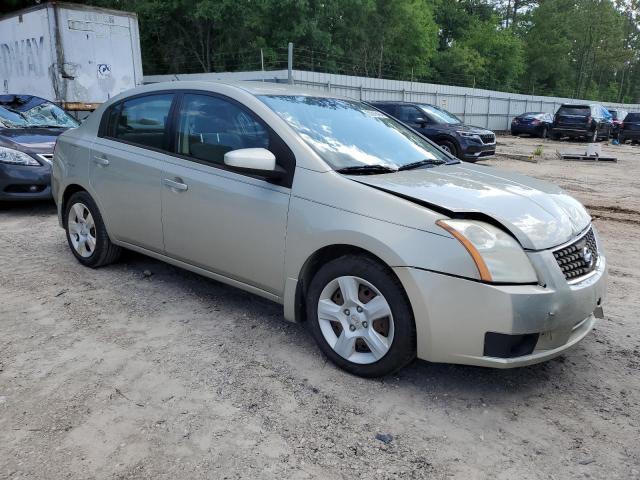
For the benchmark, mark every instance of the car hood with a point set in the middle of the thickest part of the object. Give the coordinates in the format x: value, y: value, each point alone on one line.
x: 30, y: 140
x: 539, y: 214
x: 461, y: 127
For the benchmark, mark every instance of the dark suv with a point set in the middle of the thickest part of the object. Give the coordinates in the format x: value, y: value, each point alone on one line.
x: 590, y: 121
x: 443, y: 128
x: 630, y: 128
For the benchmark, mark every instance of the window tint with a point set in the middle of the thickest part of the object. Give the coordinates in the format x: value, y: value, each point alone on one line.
x: 409, y: 114
x: 209, y: 127
x: 142, y: 120
x: 632, y: 117
x: 386, y: 107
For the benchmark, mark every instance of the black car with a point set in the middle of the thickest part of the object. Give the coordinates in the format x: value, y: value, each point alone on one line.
x: 443, y: 128
x: 538, y: 124
x: 630, y: 128
x: 590, y: 121
x: 617, y: 117
x: 29, y: 127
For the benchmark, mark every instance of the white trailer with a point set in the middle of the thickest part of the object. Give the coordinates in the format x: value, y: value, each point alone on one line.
x: 75, y: 55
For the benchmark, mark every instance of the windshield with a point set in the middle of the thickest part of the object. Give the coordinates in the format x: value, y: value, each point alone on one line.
x: 439, y: 115
x: 348, y: 133
x: 44, y: 114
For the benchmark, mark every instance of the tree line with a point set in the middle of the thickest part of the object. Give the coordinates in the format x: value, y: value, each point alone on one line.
x: 570, y: 48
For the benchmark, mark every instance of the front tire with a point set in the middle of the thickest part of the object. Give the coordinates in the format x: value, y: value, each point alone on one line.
x: 449, y: 147
x: 86, y: 233
x: 360, y: 317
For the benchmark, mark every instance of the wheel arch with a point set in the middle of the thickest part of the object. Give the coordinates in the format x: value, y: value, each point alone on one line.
x: 67, y: 193
x: 320, y: 257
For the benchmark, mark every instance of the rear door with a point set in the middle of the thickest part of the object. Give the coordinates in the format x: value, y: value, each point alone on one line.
x: 126, y: 168
x: 226, y: 222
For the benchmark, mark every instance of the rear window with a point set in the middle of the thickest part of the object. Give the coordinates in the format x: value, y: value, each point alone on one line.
x: 141, y: 121
x: 586, y: 111
x: 632, y: 117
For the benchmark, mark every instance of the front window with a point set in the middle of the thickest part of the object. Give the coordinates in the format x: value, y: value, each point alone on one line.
x: 348, y: 133
x: 209, y: 127
x: 25, y: 111
x: 438, y: 115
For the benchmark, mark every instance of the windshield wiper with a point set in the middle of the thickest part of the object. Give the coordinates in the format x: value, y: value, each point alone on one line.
x: 366, y: 169
x: 422, y: 163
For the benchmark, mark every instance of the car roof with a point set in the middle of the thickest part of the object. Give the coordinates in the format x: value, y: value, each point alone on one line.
x: 252, y: 87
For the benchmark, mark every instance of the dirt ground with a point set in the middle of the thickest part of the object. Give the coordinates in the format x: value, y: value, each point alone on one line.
x: 112, y: 373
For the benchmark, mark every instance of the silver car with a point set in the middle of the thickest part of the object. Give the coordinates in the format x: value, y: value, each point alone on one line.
x: 387, y: 247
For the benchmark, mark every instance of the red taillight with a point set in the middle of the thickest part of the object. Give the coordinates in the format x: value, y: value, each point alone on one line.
x: 621, y: 125
x: 535, y: 122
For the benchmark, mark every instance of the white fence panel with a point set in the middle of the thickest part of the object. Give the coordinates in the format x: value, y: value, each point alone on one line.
x: 485, y: 108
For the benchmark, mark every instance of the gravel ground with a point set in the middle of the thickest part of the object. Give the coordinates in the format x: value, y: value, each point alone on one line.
x: 114, y: 373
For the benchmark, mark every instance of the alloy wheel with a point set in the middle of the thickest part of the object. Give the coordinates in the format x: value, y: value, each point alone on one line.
x: 355, y: 320
x: 82, y: 230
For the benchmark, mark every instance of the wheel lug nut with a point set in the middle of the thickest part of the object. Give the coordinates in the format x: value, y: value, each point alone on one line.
x: 365, y: 324
x: 359, y: 309
x: 352, y: 327
x: 347, y: 312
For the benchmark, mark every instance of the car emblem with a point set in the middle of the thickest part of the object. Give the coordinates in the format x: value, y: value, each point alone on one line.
x: 587, y: 256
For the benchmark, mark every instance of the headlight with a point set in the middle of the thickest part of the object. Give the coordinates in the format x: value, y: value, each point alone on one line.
x: 14, y: 157
x: 462, y: 133
x: 498, y: 257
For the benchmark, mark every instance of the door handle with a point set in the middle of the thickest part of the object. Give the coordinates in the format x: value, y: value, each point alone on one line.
x: 175, y: 185
x: 101, y: 160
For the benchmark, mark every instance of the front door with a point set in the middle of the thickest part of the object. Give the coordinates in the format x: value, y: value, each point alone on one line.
x: 223, y: 221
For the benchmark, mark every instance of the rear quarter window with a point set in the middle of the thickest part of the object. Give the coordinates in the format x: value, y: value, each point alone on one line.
x: 632, y: 117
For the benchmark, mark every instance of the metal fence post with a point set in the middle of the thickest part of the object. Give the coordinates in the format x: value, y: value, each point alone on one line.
x: 488, y: 109
x: 464, y: 111
x: 290, y: 63
x: 360, y: 92
x: 508, y: 113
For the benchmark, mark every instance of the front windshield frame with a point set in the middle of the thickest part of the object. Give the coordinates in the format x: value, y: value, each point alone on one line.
x: 439, y: 115
x: 366, y: 145
x: 42, y: 114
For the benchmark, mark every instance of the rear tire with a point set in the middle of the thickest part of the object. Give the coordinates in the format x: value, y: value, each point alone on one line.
x: 86, y: 233
x: 346, y: 327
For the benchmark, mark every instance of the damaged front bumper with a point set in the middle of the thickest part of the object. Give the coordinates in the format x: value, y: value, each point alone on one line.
x: 465, y: 321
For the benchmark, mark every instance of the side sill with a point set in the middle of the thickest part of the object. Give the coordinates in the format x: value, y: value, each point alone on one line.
x: 205, y: 273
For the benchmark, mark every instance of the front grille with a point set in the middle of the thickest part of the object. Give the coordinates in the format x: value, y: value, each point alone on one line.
x: 579, y: 258
x: 488, y: 138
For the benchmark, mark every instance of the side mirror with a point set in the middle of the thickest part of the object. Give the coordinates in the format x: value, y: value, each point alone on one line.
x: 421, y: 121
x: 254, y: 161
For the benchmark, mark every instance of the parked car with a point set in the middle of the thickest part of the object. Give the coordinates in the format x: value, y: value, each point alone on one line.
x: 538, y: 124
x: 592, y: 122
x: 617, y: 117
x: 385, y: 245
x: 466, y: 142
x: 630, y: 128
x: 29, y: 127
